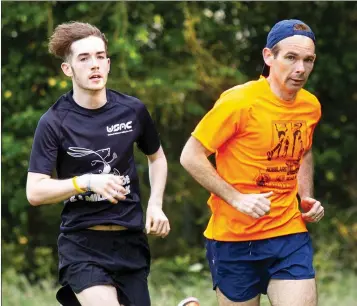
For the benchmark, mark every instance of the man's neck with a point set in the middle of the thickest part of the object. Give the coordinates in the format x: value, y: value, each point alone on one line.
x: 288, y: 96
x: 91, y: 99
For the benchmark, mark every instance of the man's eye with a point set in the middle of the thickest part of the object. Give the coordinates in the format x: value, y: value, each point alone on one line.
x: 83, y: 59
x: 290, y: 57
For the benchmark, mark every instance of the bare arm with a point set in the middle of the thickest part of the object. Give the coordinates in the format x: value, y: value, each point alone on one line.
x: 194, y: 160
x: 313, y: 210
x: 42, y: 189
x: 156, y: 221
x: 305, y: 176
x: 157, y: 175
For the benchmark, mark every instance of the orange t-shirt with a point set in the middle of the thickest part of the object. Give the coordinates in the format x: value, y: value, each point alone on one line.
x: 259, y: 141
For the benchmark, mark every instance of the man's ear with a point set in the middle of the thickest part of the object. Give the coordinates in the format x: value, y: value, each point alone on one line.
x: 268, y: 56
x: 67, y: 69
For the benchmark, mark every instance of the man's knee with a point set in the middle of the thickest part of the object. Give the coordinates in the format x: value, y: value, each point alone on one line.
x: 98, y: 295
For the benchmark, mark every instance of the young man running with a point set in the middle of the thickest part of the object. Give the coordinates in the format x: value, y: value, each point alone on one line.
x: 88, y: 136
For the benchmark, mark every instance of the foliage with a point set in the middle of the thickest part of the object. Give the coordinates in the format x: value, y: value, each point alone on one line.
x: 168, y: 289
x: 177, y: 57
x: 42, y: 265
x: 17, y: 290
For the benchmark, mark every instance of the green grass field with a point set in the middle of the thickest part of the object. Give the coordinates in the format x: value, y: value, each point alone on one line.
x: 168, y: 289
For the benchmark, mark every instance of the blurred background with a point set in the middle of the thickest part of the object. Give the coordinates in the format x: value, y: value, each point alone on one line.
x: 177, y: 57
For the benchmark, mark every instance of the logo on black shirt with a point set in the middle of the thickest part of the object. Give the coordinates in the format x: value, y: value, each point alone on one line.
x: 120, y: 128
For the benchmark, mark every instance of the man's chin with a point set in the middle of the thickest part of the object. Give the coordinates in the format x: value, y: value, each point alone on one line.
x: 95, y: 88
x: 296, y: 86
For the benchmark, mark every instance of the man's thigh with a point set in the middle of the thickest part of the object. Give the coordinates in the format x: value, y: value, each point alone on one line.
x: 117, y: 259
x: 122, y: 287
x: 98, y: 295
x: 133, y: 288
x: 236, y: 274
x: 224, y: 301
x: 294, y: 258
x: 292, y: 292
x: 292, y: 276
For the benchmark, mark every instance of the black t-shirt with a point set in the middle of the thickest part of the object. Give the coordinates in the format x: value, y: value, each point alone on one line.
x: 75, y: 141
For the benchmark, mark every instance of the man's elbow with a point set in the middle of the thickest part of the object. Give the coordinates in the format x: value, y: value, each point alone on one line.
x: 185, y: 159
x: 32, y: 198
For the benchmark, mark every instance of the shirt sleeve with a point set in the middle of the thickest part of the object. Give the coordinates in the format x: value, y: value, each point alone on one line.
x: 315, y: 118
x: 223, y: 121
x: 148, y: 140
x: 45, y: 147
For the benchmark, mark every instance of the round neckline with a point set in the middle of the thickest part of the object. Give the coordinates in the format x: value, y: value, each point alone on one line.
x: 89, y: 110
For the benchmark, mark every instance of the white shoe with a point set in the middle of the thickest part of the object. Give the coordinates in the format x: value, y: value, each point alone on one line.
x: 190, y: 301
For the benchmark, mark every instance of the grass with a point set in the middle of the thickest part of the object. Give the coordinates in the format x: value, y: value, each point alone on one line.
x: 167, y: 289
x: 341, y: 291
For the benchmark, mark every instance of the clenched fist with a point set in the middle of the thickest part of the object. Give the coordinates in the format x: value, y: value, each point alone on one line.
x: 156, y: 222
x: 255, y: 205
x: 313, y: 210
x: 107, y: 185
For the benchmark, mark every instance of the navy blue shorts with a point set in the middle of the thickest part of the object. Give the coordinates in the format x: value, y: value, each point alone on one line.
x: 118, y: 258
x: 242, y: 270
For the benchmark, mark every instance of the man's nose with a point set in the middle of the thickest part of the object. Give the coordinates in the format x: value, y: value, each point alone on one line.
x: 94, y: 63
x: 300, y: 67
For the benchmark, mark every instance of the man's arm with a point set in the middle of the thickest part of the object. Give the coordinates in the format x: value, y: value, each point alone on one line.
x: 194, y: 160
x: 312, y: 208
x: 156, y: 221
x: 157, y: 175
x: 42, y: 189
x: 305, y: 176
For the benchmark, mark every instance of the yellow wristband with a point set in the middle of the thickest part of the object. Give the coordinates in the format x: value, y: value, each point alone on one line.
x: 74, y: 181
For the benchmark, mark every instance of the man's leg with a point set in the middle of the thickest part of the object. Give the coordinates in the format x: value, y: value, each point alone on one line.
x: 91, y: 261
x: 98, y: 295
x: 292, y: 276
x: 224, y: 301
x: 133, y: 288
x: 236, y: 272
x: 292, y: 292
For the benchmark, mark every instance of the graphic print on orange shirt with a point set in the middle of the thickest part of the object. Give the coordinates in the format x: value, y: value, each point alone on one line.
x: 288, y: 144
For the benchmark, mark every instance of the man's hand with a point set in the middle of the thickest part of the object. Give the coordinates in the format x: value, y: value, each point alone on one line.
x: 313, y: 211
x: 156, y: 222
x: 255, y: 205
x: 107, y: 185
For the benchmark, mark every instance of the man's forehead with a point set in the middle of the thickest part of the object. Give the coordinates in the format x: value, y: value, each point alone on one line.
x: 297, y: 43
x: 89, y: 44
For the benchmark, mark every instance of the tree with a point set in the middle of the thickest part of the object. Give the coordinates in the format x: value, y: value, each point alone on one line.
x: 177, y: 57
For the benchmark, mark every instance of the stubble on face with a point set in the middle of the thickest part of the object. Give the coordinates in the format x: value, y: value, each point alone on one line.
x: 81, y: 83
x: 291, y: 62
x: 84, y: 53
x: 296, y: 59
